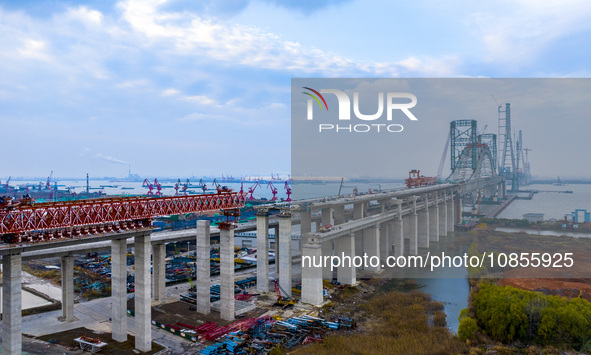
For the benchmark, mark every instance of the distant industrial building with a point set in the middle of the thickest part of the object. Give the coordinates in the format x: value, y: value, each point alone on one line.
x: 578, y: 216
x: 534, y: 217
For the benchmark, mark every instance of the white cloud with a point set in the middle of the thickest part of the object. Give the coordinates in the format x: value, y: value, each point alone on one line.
x: 34, y: 49
x: 516, y: 32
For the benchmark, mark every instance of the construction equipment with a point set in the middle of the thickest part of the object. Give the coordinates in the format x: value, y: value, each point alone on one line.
x: 273, y: 190
x: 282, y: 300
x: 251, y: 190
x: 288, y: 192
x: 202, y: 185
x: 415, y: 179
x: 48, y: 184
x: 66, y: 219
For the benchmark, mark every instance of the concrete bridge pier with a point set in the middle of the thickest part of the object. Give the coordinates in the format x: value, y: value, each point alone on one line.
x: 398, y: 231
x: 327, y: 249
x: 385, y: 244
x: 443, y: 215
x: 311, y: 275
x: 434, y: 220
x: 277, y: 256
x: 12, y: 304
x: 371, y: 246
x: 358, y: 213
x: 159, y: 273
x: 119, y: 289
x: 458, y: 210
x: 346, y: 274
x: 143, y: 288
x: 227, y: 271
x: 203, y: 266
x: 410, y: 226
x: 326, y: 216
x: 263, y: 251
x: 285, y: 252
x: 423, y: 223
x: 450, y: 214
x: 67, y: 288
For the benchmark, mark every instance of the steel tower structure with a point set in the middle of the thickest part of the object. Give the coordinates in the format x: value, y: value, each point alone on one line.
x: 507, y: 164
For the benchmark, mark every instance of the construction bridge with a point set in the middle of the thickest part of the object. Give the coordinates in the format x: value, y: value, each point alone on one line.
x: 381, y: 224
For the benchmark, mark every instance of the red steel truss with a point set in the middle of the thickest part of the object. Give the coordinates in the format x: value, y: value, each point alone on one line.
x: 91, y: 216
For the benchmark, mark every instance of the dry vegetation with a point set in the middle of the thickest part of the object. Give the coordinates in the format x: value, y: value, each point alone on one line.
x: 395, y: 323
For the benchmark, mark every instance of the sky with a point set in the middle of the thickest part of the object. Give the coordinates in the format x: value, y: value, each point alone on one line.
x: 182, y: 88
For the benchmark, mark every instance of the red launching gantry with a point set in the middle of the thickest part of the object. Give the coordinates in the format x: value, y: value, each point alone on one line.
x: 416, y: 180
x: 26, y: 221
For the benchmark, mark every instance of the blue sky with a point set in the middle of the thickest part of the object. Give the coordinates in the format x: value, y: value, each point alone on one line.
x: 180, y: 88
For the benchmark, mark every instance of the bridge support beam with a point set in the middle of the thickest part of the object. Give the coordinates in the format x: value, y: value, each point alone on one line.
x: 159, y: 267
x: 11, y: 304
x: 434, y: 222
x: 371, y: 246
x: 285, y: 252
x: 203, y: 266
x: 458, y: 208
x: 263, y: 251
x: 410, y: 226
x: 398, y: 231
x: 423, y: 223
x: 276, y: 234
x: 227, y: 272
x: 67, y: 288
x: 443, y: 217
x: 311, y: 275
x: 385, y: 244
x: 327, y: 249
x: 326, y: 216
x: 143, y: 288
x: 346, y: 274
x: 119, y: 289
x: 450, y: 214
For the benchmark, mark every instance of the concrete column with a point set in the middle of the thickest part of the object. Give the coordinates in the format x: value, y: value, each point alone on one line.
x: 434, y: 223
x: 357, y: 210
x: 143, y: 288
x: 412, y: 227
x: 371, y: 245
x: 263, y: 251
x: 398, y: 235
x: 311, y: 275
x: 326, y: 216
x: 443, y: 217
x: 277, y: 256
x: 119, y: 289
x: 159, y: 267
x: 203, y: 244
x: 398, y: 230
x: 305, y: 222
x: 458, y: 208
x: 450, y: 214
x: 11, y: 304
x: 67, y: 288
x: 305, y: 226
x: 227, y: 271
x: 327, y: 249
x: 285, y: 252
x: 346, y: 248
x: 339, y: 215
x: 423, y: 223
x: 385, y: 244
